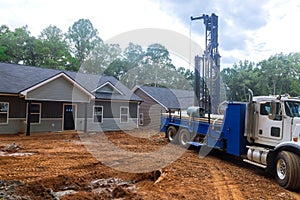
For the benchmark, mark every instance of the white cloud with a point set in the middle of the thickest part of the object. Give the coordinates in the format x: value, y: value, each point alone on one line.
x: 280, y: 34
x: 109, y: 17
x: 243, y: 34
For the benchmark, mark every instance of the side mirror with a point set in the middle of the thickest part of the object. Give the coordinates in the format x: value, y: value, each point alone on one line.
x: 273, y: 110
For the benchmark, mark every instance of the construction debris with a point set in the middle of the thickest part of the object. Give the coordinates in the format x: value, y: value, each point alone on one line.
x: 12, y: 148
x: 113, y: 187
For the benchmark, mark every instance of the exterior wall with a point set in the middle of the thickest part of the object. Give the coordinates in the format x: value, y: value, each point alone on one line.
x: 16, y: 115
x: 111, y: 116
x: 150, y: 109
x: 108, y: 124
x: 111, y: 109
x: 58, y: 90
x: 52, y: 118
x: 47, y: 125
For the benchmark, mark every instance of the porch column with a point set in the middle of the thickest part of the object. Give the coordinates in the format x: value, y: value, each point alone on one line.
x: 28, y: 118
x: 85, y: 116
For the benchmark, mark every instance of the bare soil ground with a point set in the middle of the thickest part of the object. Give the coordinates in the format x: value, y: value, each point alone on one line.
x: 59, y: 166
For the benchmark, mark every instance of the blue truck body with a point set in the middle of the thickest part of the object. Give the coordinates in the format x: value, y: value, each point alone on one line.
x: 227, y: 135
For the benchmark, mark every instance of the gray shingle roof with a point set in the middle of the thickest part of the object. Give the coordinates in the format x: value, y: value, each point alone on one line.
x: 170, y: 98
x: 17, y: 78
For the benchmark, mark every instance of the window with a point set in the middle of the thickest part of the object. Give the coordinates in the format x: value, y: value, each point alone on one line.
x: 4, y: 112
x: 265, y: 108
x: 292, y: 108
x: 35, y: 113
x: 124, y: 114
x: 98, y: 114
x: 141, y: 119
x: 275, y: 131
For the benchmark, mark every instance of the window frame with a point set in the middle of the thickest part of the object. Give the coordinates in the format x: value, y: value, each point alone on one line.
x: 7, y: 112
x: 39, y: 113
x: 94, y: 114
x: 141, y: 119
x: 121, y: 114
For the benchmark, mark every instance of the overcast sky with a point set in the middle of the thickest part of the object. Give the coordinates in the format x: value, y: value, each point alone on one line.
x: 248, y: 29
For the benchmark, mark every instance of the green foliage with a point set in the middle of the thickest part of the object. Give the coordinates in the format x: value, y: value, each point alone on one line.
x: 278, y: 74
x: 151, y: 67
x: 83, y: 38
x: 100, y: 58
x: 155, y: 75
x: 158, y: 54
x: 53, y: 50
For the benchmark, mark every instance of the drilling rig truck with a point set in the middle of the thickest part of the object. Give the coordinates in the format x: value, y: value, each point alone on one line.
x: 265, y: 131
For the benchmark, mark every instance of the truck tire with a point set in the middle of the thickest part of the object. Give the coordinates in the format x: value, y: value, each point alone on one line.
x: 172, y: 134
x: 287, y: 170
x: 184, y: 137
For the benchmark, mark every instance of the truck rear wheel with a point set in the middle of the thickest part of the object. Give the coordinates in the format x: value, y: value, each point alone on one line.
x: 172, y: 134
x: 184, y: 137
x: 287, y: 170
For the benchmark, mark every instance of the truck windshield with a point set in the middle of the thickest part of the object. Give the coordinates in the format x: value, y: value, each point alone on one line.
x: 292, y: 108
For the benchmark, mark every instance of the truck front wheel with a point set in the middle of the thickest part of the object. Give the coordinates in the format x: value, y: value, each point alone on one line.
x: 172, y: 134
x: 288, y: 170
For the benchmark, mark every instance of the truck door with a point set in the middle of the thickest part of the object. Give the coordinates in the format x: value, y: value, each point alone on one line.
x: 269, y: 127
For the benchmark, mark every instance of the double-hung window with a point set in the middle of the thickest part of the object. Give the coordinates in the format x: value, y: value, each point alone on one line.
x: 35, y: 113
x: 4, y: 107
x: 124, y: 112
x: 98, y: 114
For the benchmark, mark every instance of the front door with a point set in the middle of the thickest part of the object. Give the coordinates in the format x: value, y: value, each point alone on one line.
x: 69, y: 115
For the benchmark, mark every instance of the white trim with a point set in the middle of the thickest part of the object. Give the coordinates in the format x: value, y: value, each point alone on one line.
x: 51, y: 119
x: 138, y: 87
x: 124, y: 114
x: 7, y: 113
x: 65, y: 100
x: 62, y: 74
x: 112, y: 100
x: 10, y: 119
x: 108, y: 83
x: 74, y: 114
x: 40, y: 113
x: 94, y: 115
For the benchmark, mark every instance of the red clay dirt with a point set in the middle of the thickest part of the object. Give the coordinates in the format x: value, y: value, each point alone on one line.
x: 58, y: 166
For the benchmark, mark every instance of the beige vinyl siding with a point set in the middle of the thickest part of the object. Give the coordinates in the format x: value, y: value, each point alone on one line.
x: 59, y: 89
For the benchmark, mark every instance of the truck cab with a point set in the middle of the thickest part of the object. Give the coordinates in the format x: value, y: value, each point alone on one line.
x: 276, y: 120
x: 273, y: 131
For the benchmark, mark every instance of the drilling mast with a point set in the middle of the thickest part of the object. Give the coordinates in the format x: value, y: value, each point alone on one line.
x: 210, y: 66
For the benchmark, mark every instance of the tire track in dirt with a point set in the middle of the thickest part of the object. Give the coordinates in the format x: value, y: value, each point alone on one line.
x: 226, y: 187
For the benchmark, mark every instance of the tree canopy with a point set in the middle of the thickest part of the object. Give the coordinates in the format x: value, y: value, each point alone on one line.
x: 276, y: 75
